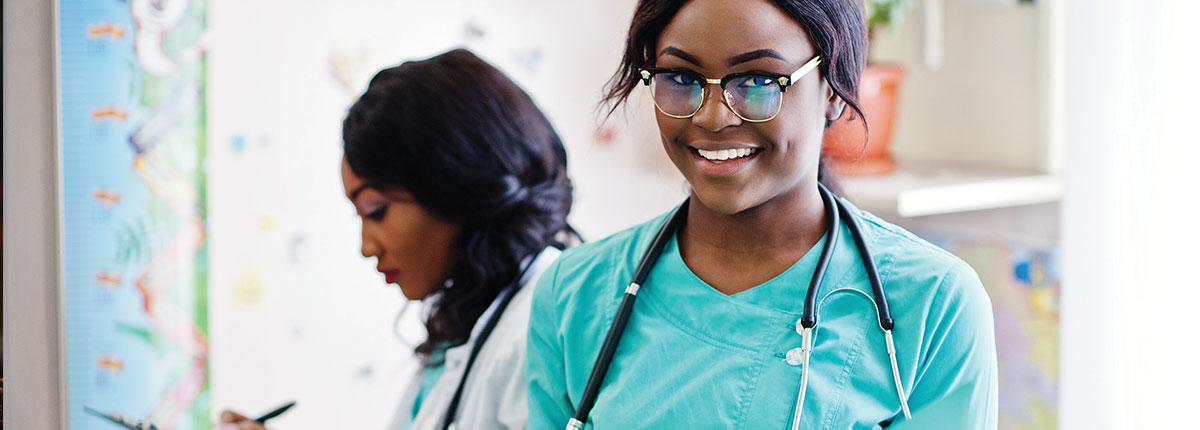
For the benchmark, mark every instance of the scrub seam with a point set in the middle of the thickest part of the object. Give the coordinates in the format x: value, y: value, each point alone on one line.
x: 683, y: 326
x: 751, y: 389
x: 923, y: 356
x: 907, y: 236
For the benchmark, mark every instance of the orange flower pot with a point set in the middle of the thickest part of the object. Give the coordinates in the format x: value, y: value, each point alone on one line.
x: 844, y: 140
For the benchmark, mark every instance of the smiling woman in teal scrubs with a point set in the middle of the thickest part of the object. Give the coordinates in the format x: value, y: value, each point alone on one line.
x: 743, y: 92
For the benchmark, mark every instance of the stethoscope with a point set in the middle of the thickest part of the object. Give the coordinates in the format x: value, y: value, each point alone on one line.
x: 502, y: 300
x: 835, y: 212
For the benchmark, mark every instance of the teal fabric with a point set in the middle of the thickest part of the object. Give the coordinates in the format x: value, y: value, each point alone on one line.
x: 429, y: 378
x: 695, y: 358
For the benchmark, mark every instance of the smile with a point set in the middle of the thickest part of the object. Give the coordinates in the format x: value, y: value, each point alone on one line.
x: 726, y: 154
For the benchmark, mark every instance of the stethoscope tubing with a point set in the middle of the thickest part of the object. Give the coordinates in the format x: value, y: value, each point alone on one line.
x: 504, y: 298
x: 600, y: 369
x: 833, y: 229
x: 868, y: 261
x: 835, y: 213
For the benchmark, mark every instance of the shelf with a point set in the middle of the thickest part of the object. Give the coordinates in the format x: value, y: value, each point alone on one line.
x: 913, y: 192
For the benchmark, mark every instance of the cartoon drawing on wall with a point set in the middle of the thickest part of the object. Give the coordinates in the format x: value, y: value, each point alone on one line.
x: 155, y: 20
x: 133, y: 144
x: 250, y: 289
x: 299, y: 252
x: 605, y: 135
x: 472, y: 31
x: 107, y: 284
x: 352, y: 68
x: 243, y: 144
x: 108, y: 113
x: 106, y: 30
x: 529, y: 60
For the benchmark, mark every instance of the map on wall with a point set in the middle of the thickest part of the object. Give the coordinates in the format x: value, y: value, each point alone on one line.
x: 1023, y: 284
x: 132, y: 124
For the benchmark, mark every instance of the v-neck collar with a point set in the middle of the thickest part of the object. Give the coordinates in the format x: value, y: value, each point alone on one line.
x: 776, y: 304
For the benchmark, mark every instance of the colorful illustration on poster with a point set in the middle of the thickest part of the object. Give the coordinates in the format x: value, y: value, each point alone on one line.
x: 132, y: 82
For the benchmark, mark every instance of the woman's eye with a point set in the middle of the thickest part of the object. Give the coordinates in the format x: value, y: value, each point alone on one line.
x: 757, y: 81
x: 682, y: 79
x: 377, y: 214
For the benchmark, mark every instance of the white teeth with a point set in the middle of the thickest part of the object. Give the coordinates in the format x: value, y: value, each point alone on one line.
x: 725, y: 154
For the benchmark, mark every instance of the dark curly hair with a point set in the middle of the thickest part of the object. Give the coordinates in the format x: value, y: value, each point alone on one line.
x: 837, y: 30
x: 474, y: 150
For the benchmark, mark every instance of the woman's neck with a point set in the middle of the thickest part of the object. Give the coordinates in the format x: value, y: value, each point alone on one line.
x: 735, y: 252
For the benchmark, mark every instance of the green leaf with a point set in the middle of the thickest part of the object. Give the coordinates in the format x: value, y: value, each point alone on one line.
x: 887, y: 13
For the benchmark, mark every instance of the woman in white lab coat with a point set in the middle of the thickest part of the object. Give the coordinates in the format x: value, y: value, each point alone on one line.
x: 462, y: 187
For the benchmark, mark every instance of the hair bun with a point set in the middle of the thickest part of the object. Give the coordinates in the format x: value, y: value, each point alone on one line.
x: 548, y: 196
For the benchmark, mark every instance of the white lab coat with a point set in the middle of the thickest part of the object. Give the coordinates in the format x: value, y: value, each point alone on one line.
x: 495, y: 394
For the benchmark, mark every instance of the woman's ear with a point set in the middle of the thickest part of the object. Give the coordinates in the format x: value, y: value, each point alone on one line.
x: 834, y: 106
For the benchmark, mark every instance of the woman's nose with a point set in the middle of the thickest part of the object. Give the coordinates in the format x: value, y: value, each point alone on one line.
x: 369, y: 248
x: 714, y: 113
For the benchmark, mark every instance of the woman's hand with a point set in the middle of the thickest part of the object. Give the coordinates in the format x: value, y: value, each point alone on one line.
x: 231, y: 420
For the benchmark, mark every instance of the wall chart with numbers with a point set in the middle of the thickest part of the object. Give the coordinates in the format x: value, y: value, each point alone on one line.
x: 132, y: 127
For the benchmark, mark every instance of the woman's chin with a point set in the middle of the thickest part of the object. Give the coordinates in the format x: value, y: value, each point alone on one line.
x: 413, y: 293
x: 724, y: 202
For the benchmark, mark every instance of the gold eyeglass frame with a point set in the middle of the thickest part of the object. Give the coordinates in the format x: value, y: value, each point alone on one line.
x: 784, y: 81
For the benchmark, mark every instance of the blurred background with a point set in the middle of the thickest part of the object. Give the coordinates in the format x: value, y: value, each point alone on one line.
x: 176, y: 239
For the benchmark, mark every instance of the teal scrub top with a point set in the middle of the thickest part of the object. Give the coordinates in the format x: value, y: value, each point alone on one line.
x: 429, y: 378
x: 695, y: 358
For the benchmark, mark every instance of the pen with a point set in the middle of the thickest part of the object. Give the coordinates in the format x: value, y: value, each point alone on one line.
x: 277, y: 412
x: 121, y: 420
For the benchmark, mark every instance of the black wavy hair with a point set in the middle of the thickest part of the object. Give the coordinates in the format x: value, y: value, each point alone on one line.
x: 474, y: 150
x: 837, y: 30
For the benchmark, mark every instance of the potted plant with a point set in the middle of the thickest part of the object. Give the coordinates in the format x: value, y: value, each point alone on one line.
x: 846, y: 141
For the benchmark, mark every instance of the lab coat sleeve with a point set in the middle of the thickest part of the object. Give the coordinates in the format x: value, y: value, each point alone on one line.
x: 956, y: 382
x: 549, y: 406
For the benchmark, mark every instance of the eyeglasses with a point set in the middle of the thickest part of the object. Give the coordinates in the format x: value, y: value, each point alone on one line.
x: 752, y: 96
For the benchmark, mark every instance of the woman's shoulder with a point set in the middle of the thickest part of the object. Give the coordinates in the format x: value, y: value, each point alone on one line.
x: 906, y: 261
x: 611, y: 249
x: 898, y: 243
x: 600, y: 269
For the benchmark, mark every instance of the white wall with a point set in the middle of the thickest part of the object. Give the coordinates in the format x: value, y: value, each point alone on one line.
x: 297, y: 313
x: 1129, y: 281
x: 1158, y: 199
x: 984, y: 106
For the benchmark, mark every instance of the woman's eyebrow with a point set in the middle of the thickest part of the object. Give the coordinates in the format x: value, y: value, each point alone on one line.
x: 733, y: 61
x: 671, y: 50
x: 754, y: 55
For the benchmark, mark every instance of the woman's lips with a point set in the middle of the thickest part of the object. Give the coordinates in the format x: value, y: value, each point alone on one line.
x: 721, y: 167
x: 390, y: 276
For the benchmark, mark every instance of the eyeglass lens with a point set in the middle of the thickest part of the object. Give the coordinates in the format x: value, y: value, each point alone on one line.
x: 754, y: 98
